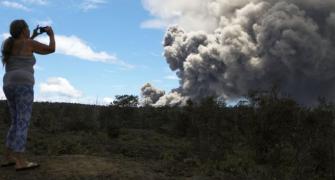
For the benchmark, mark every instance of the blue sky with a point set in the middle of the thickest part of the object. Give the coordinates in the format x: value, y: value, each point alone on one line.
x: 104, y: 48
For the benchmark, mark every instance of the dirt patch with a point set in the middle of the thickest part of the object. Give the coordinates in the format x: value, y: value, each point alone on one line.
x: 85, y: 167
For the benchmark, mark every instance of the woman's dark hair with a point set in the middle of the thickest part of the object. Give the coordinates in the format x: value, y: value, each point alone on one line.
x: 16, y: 28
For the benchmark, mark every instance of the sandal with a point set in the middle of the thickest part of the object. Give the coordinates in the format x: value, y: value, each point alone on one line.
x: 30, y: 165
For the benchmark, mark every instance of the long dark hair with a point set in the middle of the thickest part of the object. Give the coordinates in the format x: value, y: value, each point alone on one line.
x: 16, y: 28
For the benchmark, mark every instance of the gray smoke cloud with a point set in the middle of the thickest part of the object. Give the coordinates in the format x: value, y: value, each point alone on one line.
x: 150, y: 95
x: 155, y: 97
x: 251, y: 44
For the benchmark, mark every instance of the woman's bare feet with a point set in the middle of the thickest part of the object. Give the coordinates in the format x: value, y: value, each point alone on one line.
x: 17, y: 159
x: 26, y: 165
x: 22, y: 163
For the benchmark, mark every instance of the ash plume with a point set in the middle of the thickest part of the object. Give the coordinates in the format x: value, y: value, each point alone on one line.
x: 150, y: 95
x: 251, y: 44
x: 153, y: 96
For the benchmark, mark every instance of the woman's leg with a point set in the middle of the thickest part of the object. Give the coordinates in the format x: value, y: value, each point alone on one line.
x: 24, y: 97
x: 17, y: 138
x: 10, y: 96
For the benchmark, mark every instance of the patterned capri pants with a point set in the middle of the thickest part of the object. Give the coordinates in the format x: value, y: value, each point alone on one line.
x: 20, y: 101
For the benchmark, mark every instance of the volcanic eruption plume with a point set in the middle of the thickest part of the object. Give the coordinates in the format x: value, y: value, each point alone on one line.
x: 225, y: 48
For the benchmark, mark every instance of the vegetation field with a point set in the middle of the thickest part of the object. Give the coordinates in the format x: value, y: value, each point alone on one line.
x: 270, y: 137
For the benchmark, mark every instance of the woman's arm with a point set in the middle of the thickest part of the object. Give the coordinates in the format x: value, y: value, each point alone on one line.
x: 41, y: 48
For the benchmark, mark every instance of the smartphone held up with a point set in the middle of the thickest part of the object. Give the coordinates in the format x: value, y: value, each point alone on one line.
x: 40, y: 30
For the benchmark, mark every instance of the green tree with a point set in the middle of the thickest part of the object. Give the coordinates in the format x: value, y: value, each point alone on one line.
x: 125, y: 101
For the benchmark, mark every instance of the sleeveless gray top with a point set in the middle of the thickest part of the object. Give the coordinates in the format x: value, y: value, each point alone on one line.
x: 19, y: 70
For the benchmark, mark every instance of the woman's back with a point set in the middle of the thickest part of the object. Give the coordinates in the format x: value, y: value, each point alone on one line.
x: 20, y: 64
x: 22, y: 47
x: 20, y: 70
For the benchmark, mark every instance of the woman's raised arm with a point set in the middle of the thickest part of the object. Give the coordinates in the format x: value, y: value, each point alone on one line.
x: 41, y: 48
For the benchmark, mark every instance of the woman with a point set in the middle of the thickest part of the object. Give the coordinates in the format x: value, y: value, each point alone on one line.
x: 18, y: 86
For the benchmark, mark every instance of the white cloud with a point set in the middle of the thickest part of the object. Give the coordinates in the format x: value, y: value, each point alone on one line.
x: 2, y: 95
x: 157, y: 81
x: 171, y: 77
x: 155, y: 24
x: 110, y: 71
x: 38, y: 68
x: 59, y: 87
x: 47, y: 22
x: 90, y: 100
x: 37, y: 2
x: 14, y: 5
x: 107, y: 100
x: 156, y: 54
x: 5, y: 35
x: 195, y: 15
x: 57, y: 98
x: 91, y: 4
x: 74, y: 46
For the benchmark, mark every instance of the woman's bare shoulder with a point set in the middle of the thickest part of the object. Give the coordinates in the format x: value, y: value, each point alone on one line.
x: 31, y: 41
x: 34, y: 43
x: 22, y: 47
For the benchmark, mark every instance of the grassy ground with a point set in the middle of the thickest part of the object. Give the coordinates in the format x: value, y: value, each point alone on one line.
x: 134, y: 154
x: 86, y: 167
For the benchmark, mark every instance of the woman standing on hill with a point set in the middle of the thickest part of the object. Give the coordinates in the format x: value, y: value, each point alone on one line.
x: 18, y: 86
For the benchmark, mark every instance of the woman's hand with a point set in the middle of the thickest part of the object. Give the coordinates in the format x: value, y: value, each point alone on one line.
x: 35, y: 33
x: 49, y: 31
